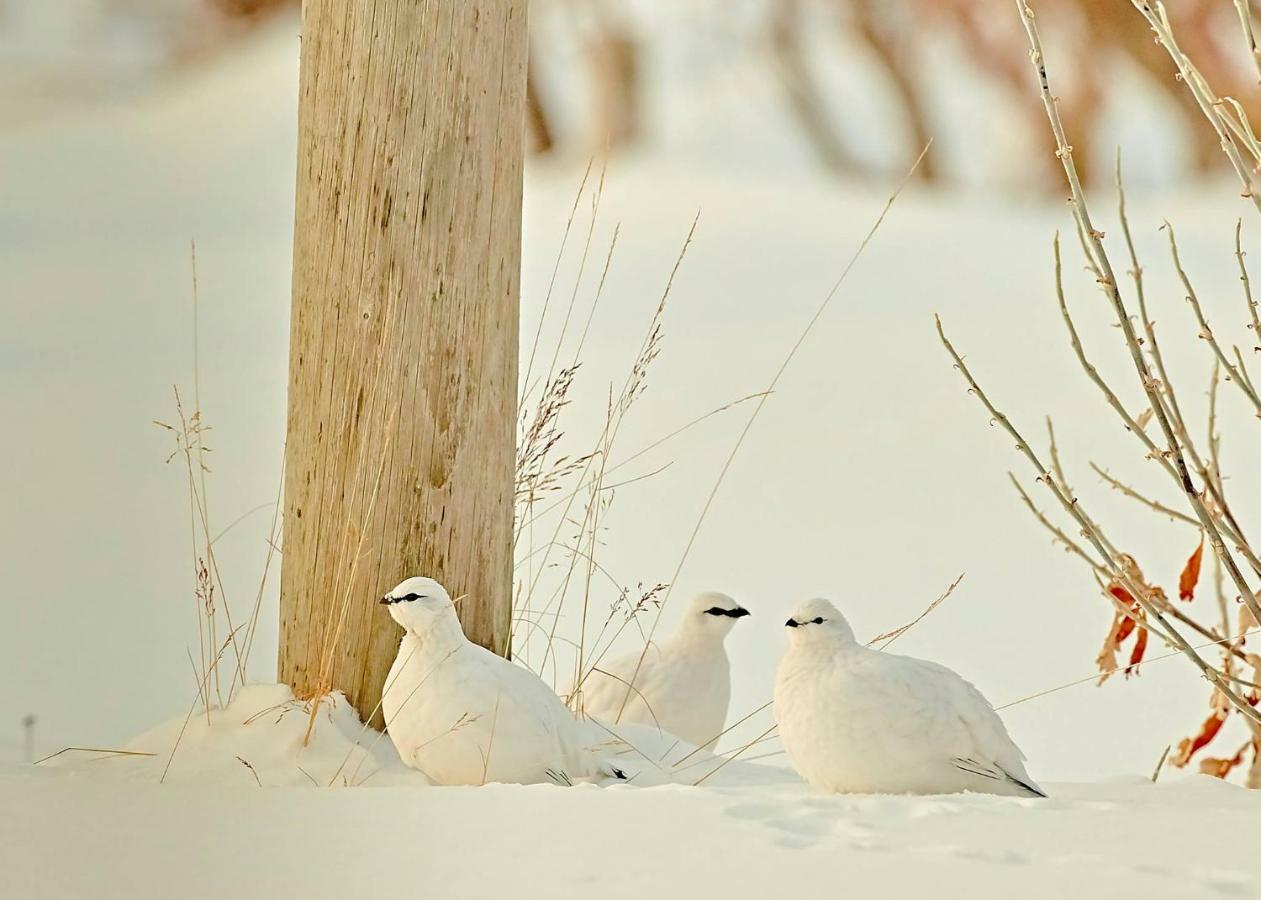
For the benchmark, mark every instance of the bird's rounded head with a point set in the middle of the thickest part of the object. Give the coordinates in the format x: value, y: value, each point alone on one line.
x: 713, y: 613
x: 418, y: 603
x: 817, y: 621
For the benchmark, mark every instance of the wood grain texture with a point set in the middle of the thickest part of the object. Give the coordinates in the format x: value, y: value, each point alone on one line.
x: 403, y: 366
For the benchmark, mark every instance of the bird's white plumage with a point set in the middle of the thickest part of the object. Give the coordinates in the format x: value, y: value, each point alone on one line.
x: 857, y: 720
x: 463, y: 715
x: 682, y: 686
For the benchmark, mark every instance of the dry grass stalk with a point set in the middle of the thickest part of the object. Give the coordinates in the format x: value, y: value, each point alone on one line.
x: 1094, y: 676
x: 732, y: 757
x: 770, y: 389
x: 534, y: 347
x: 625, y: 461
x: 102, y: 750
x: 890, y: 636
x: 589, y: 472
x: 208, y: 591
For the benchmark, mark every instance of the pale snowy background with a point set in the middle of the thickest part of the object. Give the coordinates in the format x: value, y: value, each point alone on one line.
x: 871, y: 477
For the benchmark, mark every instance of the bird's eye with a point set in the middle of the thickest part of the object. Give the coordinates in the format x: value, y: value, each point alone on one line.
x: 715, y: 611
x: 817, y: 620
x: 410, y: 597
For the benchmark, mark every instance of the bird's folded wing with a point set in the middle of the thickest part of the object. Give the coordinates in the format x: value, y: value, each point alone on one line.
x: 958, y: 715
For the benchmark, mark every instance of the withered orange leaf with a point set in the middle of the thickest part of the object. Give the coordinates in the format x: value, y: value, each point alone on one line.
x: 1107, y: 658
x: 1220, y: 768
x: 1187, y: 747
x: 1124, y: 627
x: 1190, y: 576
x: 1136, y: 655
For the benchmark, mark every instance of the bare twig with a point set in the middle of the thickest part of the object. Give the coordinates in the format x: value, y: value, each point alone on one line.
x: 1218, y: 506
x: 1228, y: 131
x: 1244, y: 8
x: 1255, y: 324
x: 1156, y: 505
x: 1100, y: 257
x: 1057, y: 534
x: 1206, y: 333
x: 1117, y: 572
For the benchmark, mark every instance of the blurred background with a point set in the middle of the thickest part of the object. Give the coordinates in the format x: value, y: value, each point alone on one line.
x: 854, y: 87
x: 130, y: 129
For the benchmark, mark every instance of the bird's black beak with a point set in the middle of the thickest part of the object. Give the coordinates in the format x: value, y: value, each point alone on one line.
x: 738, y: 612
x: 791, y: 623
x: 386, y: 600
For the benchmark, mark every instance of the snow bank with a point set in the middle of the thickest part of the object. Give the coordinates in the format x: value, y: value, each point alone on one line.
x: 1116, y: 840
x: 747, y: 831
x: 256, y: 740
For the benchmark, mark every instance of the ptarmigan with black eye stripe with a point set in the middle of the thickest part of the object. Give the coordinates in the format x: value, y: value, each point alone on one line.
x: 463, y: 715
x: 859, y: 721
x: 682, y: 686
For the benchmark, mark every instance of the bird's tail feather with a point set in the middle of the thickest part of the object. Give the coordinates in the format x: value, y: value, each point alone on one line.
x: 996, y: 773
x: 1020, y: 782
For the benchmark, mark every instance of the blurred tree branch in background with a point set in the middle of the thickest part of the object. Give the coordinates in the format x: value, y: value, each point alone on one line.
x: 895, y: 38
x: 609, y: 74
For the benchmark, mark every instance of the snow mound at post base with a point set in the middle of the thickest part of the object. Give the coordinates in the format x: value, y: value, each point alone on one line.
x: 257, y: 739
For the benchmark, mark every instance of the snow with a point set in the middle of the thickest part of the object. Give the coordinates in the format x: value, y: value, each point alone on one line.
x: 1119, y: 839
x: 259, y: 738
x: 219, y: 828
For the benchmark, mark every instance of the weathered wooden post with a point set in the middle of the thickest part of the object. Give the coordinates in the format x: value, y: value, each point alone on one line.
x: 403, y: 345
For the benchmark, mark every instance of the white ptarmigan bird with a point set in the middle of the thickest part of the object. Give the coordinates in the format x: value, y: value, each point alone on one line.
x: 860, y: 721
x: 463, y: 715
x: 682, y: 686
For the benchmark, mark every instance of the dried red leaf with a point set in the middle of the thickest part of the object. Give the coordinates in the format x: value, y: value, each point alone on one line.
x: 1121, y: 628
x: 1122, y: 594
x: 1188, y: 747
x: 1136, y: 655
x: 1190, y: 576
